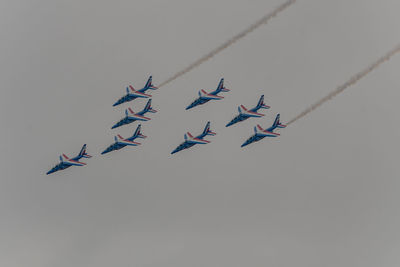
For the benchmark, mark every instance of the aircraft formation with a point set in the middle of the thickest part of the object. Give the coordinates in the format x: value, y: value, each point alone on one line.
x: 190, y: 140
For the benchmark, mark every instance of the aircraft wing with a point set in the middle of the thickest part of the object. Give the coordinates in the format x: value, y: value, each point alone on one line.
x: 126, y: 141
x: 69, y: 161
x: 132, y: 143
x: 270, y: 134
x: 205, y: 95
x: 250, y: 113
x: 195, y: 140
x: 266, y: 133
x: 137, y: 93
x: 139, y: 117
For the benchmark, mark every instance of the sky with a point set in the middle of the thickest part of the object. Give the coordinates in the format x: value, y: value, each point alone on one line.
x: 324, y: 193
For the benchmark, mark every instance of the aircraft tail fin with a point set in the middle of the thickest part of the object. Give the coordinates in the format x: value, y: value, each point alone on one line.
x: 261, y: 103
x: 149, y: 84
x: 82, y: 150
x: 207, y: 130
x: 221, y: 87
x: 83, y: 153
x: 138, y: 132
x: 277, y: 123
x: 148, y: 107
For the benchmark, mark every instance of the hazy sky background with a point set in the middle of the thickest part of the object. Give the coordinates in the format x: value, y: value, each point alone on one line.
x: 325, y: 193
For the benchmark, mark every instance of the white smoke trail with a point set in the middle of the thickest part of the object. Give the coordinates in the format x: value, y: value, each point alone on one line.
x: 231, y: 41
x: 354, y: 79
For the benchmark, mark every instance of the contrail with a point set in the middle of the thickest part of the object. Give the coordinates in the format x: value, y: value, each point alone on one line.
x: 354, y: 79
x: 231, y: 41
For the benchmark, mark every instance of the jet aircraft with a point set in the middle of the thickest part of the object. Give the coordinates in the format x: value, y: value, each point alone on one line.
x: 121, y: 142
x: 66, y: 162
x: 260, y: 133
x: 204, y: 97
x: 191, y: 141
x: 132, y: 94
x: 132, y: 116
x: 245, y: 113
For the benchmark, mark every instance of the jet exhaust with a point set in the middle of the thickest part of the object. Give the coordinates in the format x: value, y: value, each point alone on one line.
x: 230, y: 42
x: 354, y: 79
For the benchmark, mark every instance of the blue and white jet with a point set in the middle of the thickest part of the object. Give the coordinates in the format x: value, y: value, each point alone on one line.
x: 132, y: 116
x: 204, y: 97
x: 66, y: 162
x: 132, y: 94
x: 121, y: 142
x: 260, y: 133
x: 245, y: 113
x: 190, y: 140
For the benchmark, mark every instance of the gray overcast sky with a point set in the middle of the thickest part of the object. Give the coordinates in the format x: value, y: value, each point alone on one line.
x: 325, y: 193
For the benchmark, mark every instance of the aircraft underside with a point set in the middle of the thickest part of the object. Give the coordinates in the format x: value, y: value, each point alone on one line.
x: 58, y: 167
x: 113, y: 147
x: 198, y: 101
x: 252, y: 139
x: 237, y: 119
x: 124, y: 99
x: 123, y: 122
x: 182, y: 146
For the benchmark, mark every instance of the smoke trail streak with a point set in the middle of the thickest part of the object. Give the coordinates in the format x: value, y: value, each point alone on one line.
x: 354, y: 79
x: 231, y: 41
